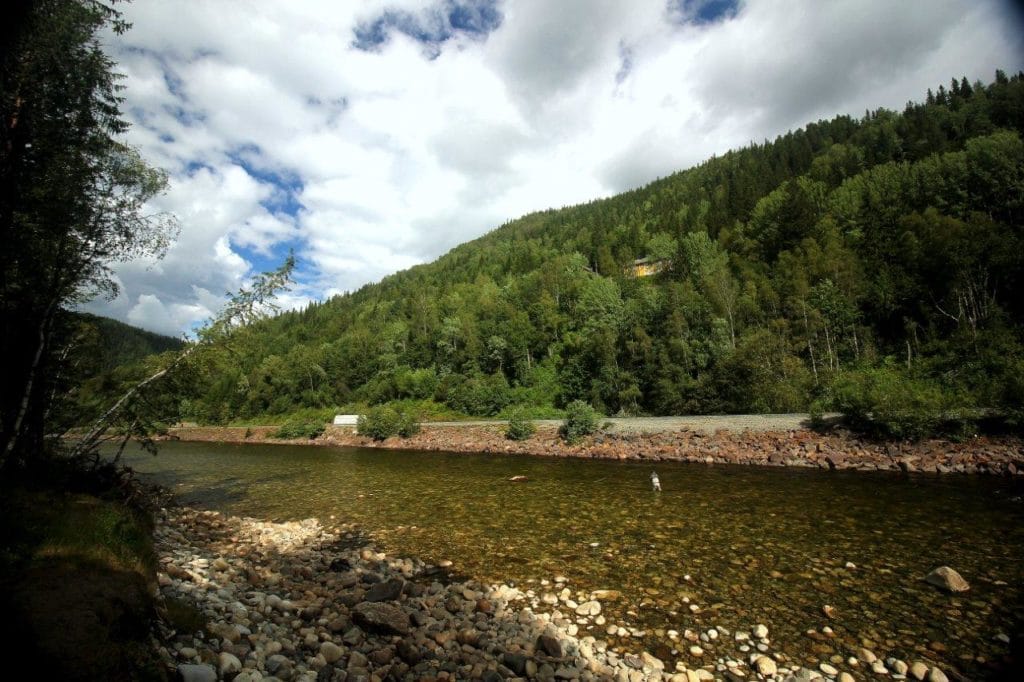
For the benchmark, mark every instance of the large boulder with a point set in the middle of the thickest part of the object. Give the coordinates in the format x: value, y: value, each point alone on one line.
x: 381, y: 617
x: 947, y: 579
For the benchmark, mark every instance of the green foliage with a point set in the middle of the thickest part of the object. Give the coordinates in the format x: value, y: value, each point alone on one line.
x: 519, y: 426
x: 408, y: 426
x: 484, y: 395
x: 378, y: 423
x: 384, y: 421
x: 298, y: 428
x: 580, y: 420
x: 887, y: 402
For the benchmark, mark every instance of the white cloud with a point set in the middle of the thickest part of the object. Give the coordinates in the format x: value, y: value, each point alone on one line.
x: 277, y: 131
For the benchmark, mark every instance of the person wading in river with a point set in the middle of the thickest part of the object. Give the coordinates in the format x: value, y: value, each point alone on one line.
x: 655, y: 482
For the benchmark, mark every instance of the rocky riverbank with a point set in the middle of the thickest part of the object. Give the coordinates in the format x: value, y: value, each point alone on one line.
x: 301, y: 601
x: 793, y: 448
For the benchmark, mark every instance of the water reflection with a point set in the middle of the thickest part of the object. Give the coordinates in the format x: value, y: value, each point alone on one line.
x: 729, y: 546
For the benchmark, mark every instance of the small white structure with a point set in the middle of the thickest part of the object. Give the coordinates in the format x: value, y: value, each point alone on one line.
x: 346, y: 419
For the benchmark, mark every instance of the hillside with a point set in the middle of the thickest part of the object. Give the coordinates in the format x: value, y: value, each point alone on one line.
x: 121, y: 344
x: 863, y: 265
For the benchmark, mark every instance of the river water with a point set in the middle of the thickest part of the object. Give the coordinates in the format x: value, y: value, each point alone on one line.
x: 722, y: 546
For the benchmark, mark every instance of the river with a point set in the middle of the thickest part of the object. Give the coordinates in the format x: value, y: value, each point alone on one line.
x: 718, y: 547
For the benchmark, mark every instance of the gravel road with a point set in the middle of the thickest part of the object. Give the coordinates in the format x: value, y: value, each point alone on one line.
x: 698, y: 423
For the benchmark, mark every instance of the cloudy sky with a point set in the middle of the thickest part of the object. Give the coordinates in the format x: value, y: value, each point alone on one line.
x: 372, y: 135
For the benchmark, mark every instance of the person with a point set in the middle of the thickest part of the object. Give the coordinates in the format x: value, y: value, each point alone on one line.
x: 655, y: 481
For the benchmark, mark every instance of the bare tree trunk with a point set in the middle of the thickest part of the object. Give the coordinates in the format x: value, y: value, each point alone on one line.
x: 810, y: 345
x: 45, y: 328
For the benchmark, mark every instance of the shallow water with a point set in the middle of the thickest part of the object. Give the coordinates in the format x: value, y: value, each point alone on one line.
x: 759, y: 545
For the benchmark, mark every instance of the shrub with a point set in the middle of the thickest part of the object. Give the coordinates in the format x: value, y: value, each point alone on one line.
x: 888, y: 403
x: 379, y: 423
x: 407, y: 425
x: 298, y: 428
x: 519, y: 427
x: 580, y: 420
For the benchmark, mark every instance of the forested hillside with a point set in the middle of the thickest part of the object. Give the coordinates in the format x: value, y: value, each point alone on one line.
x: 115, y: 343
x: 851, y: 264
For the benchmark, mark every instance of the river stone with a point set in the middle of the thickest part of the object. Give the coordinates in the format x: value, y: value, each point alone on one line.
x: 279, y: 665
x: 515, y: 662
x: 389, y: 590
x: 228, y: 663
x: 828, y: 670
x: 381, y: 617
x: 607, y: 595
x: 766, y: 666
x: 846, y: 677
x: 936, y: 675
x: 408, y: 652
x: 588, y: 608
x: 866, y: 655
x: 652, y: 662
x: 918, y: 670
x: 249, y: 676
x: 188, y: 672
x: 947, y: 579
x: 468, y: 636
x: 549, y: 645
x: 567, y: 673
x: 331, y: 652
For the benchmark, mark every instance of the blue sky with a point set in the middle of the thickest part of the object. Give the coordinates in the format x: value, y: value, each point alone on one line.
x: 370, y: 136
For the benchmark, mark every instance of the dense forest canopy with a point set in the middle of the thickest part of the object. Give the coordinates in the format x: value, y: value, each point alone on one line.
x: 845, y: 264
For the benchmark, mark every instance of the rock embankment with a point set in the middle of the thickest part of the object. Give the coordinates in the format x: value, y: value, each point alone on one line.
x: 300, y: 602
x: 796, y: 448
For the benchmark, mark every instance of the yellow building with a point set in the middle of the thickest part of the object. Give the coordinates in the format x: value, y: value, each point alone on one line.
x: 645, y: 267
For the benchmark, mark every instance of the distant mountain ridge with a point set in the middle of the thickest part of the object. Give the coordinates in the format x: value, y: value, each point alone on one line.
x: 122, y: 344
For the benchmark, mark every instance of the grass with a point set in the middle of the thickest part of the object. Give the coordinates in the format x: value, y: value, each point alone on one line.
x: 81, y: 529
x: 76, y: 576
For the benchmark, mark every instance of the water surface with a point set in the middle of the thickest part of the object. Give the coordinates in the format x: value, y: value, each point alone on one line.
x: 745, y: 544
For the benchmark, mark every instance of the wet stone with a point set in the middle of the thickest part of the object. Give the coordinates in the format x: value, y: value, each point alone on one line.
x: 381, y: 617
x: 388, y: 590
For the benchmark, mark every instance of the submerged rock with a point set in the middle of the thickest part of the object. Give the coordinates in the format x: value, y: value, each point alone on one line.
x: 766, y: 666
x: 947, y: 579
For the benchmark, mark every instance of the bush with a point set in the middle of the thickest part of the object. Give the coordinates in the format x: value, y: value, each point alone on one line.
x: 384, y: 421
x: 379, y: 423
x: 519, y: 427
x: 407, y: 425
x: 298, y: 428
x: 580, y: 420
x: 885, y: 402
